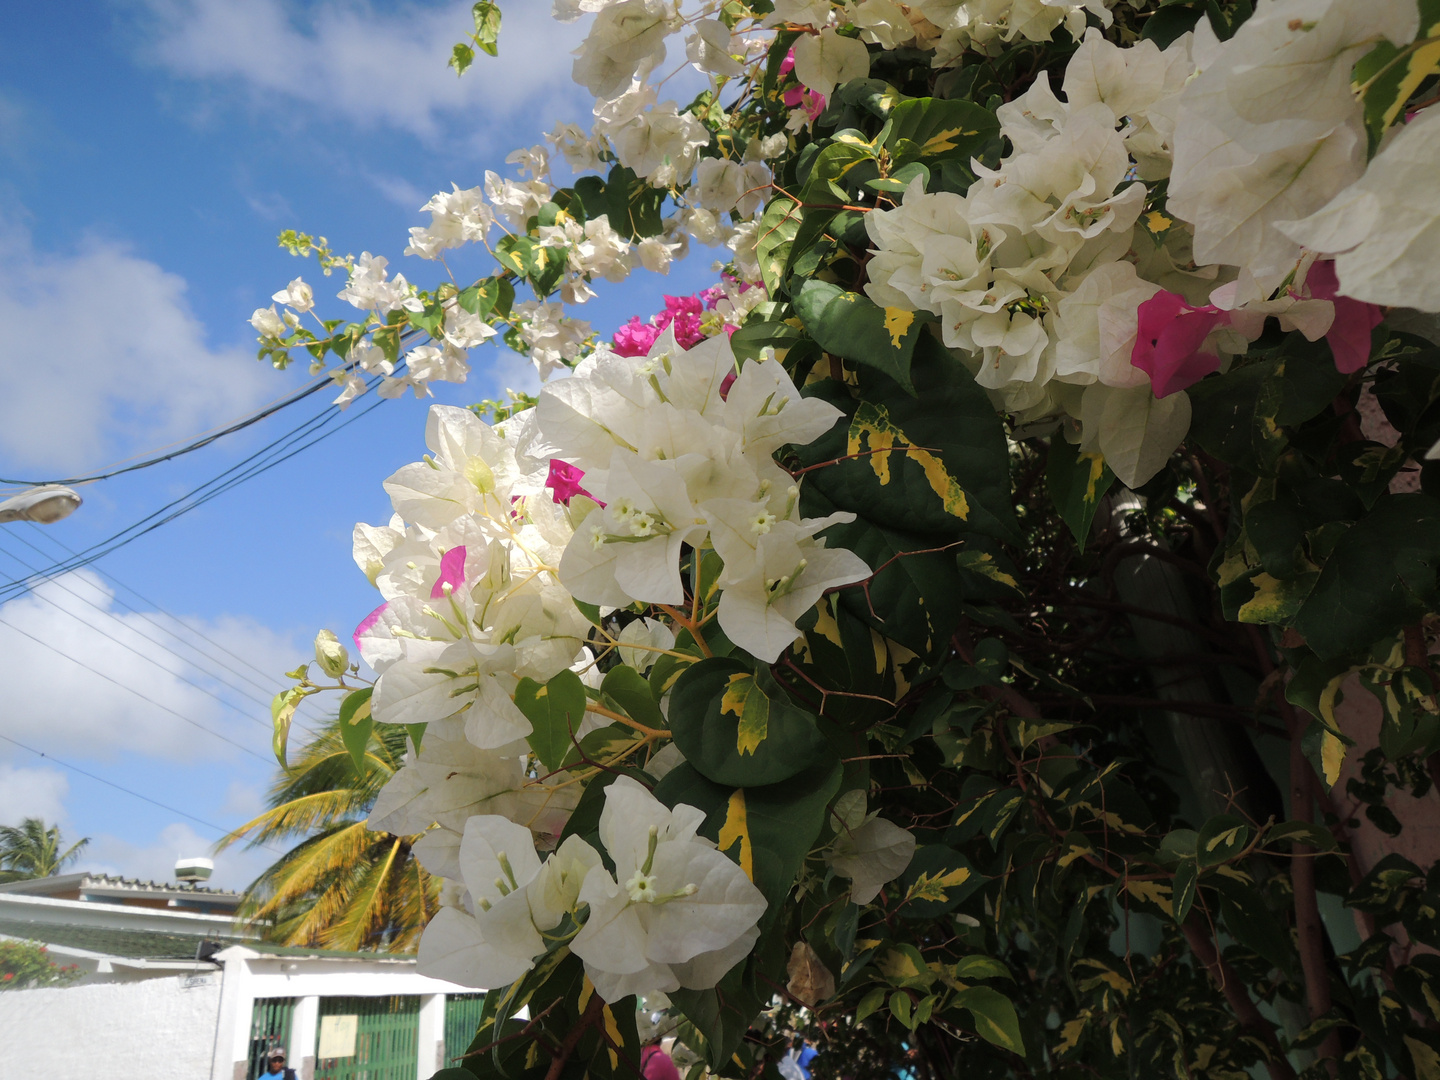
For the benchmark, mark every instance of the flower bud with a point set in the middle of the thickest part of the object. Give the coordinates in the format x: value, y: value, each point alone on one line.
x: 330, y: 654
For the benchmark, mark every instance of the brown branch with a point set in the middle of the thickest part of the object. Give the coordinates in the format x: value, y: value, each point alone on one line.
x: 1197, y: 934
x: 587, y: 1019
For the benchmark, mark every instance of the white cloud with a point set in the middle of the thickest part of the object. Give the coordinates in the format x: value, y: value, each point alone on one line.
x: 343, y: 58
x: 68, y: 706
x: 234, y: 869
x: 32, y: 793
x: 243, y: 800
x: 101, y: 353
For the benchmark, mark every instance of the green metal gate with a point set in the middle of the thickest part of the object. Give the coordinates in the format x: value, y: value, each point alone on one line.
x: 462, y: 1018
x: 270, y: 1020
x: 385, y: 1040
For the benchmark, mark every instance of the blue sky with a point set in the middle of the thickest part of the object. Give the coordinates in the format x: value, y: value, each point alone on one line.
x: 150, y: 151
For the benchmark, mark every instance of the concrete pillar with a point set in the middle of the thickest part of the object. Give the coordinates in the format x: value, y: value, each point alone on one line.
x: 304, y: 1024
x: 232, y: 1026
x: 430, y: 1038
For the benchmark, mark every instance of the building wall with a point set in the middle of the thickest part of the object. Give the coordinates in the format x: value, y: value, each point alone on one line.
x: 158, y: 1027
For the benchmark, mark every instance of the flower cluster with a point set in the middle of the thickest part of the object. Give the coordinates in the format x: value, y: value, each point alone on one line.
x: 678, y: 448
x: 675, y: 913
x: 493, y: 541
x: 1073, y: 294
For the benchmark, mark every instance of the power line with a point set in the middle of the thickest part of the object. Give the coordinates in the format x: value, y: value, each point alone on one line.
x: 135, y: 794
x: 144, y: 656
x: 164, y: 708
x: 196, y: 444
x: 277, y: 452
x: 147, y: 617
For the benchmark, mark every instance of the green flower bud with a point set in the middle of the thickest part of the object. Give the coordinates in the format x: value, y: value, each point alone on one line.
x: 330, y: 654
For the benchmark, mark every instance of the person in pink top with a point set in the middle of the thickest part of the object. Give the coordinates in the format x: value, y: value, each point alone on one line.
x: 655, y: 1064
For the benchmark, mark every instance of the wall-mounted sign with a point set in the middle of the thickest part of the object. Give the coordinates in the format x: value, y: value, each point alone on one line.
x: 337, y: 1036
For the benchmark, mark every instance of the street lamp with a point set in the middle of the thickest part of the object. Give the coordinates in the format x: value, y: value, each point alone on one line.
x: 45, y: 504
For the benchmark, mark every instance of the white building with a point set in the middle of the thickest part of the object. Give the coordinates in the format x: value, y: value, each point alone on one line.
x: 172, y: 986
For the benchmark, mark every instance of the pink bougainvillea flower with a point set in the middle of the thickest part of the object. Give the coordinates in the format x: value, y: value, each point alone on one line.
x: 1169, y: 339
x: 683, y: 313
x: 635, y: 337
x: 366, y: 623
x: 800, y: 94
x: 452, y: 572
x: 725, y: 385
x: 1349, y: 334
x: 564, y: 482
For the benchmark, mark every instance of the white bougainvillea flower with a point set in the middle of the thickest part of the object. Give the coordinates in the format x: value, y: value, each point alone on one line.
x: 710, y: 50
x: 764, y: 406
x: 774, y: 572
x: 641, y: 643
x: 447, y: 781
x: 676, y: 913
x: 513, y: 898
x: 296, y: 295
x: 871, y: 856
x: 461, y: 650
x: 1270, y: 130
x: 1134, y: 431
x: 1384, y: 229
x: 827, y: 59
x: 624, y: 37
x: 471, y: 472
x: 630, y: 550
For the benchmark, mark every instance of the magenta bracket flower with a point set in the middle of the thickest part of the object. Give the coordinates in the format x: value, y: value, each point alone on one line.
x: 1170, y: 340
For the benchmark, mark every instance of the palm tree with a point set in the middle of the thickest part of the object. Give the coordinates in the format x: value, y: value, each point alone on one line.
x: 30, y: 850
x: 342, y: 886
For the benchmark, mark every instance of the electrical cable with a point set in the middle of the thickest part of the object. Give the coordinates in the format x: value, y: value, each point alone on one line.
x: 144, y: 656
x: 277, y: 452
x: 144, y: 798
x: 263, y: 688
x: 197, y: 444
x: 174, y: 675
x: 164, y: 708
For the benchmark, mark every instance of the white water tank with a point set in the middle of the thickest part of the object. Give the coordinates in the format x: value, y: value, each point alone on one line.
x: 194, y: 870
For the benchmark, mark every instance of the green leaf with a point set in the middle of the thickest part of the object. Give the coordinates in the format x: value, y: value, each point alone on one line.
x: 902, y: 525
x: 1077, y: 482
x: 628, y: 689
x: 416, y: 732
x: 854, y: 327
x: 556, y: 710
x: 486, y: 295
x: 631, y: 205
x: 1252, y: 924
x: 1302, y: 832
x: 1391, y: 75
x: 938, y: 129
x: 487, y: 25
x: 1380, y: 577
x: 869, y: 1003
x: 738, y: 726
x: 767, y: 830
x: 282, y: 712
x: 1186, y: 885
x: 994, y: 1016
x: 541, y: 266
x: 1223, y: 837
x: 461, y: 57
x: 773, y: 245
x: 900, y: 1008
x: 355, y: 725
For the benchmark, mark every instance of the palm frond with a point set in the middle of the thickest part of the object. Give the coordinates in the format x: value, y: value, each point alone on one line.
x: 341, y: 885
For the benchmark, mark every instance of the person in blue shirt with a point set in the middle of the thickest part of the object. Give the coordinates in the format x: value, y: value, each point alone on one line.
x: 275, y: 1068
x: 808, y: 1054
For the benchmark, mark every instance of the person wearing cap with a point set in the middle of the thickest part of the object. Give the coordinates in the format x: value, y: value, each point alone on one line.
x: 275, y: 1067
